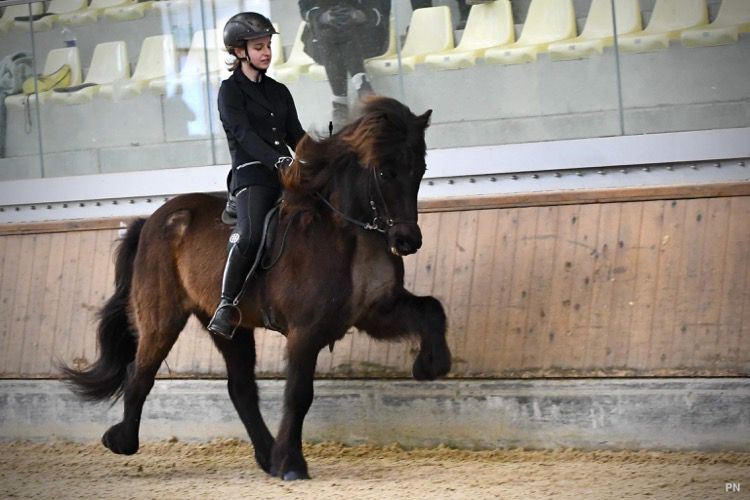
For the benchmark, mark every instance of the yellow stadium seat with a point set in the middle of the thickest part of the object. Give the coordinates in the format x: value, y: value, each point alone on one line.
x: 55, y: 8
x: 109, y: 64
x: 297, y: 63
x: 598, y: 32
x: 194, y: 70
x: 733, y: 18
x: 430, y: 31
x: 157, y: 59
x: 489, y: 25
x: 11, y: 12
x: 668, y: 19
x: 92, y: 13
x: 127, y: 11
x: 547, y: 21
x: 55, y: 59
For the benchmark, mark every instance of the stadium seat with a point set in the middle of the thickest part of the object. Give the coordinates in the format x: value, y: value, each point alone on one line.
x: 11, y: 12
x: 92, y: 13
x: 55, y: 59
x: 547, y: 21
x: 157, y: 59
x: 48, y: 19
x: 668, y: 19
x: 733, y: 18
x: 127, y: 11
x: 194, y: 70
x: 297, y: 63
x: 430, y: 32
x: 598, y: 33
x: 109, y: 63
x: 489, y: 25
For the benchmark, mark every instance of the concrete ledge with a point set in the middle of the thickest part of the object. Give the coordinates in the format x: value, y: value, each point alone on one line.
x: 667, y: 414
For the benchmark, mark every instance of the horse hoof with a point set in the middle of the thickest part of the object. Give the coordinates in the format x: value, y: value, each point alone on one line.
x: 118, y: 440
x: 429, y: 366
x: 295, y: 476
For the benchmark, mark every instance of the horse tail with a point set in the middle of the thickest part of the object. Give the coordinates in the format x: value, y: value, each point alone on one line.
x: 115, y: 334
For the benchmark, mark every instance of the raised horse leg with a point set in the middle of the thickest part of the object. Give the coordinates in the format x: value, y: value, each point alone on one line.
x: 239, y: 354
x: 407, y: 314
x: 288, y: 462
x: 153, y: 346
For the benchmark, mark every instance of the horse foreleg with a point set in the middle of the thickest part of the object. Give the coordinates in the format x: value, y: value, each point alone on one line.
x: 239, y: 354
x: 406, y: 314
x: 288, y: 462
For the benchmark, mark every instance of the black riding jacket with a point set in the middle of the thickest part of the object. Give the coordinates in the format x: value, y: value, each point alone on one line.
x: 261, y: 124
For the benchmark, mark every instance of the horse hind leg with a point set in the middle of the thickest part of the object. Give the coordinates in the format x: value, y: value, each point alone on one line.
x: 155, y: 341
x: 239, y: 355
x: 407, y: 314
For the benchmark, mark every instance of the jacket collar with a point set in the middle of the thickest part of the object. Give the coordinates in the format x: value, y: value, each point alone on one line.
x: 252, y: 89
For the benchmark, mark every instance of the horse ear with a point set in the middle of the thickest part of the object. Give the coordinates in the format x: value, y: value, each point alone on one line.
x: 424, y: 120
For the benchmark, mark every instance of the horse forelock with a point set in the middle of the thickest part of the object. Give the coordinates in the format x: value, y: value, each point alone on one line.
x: 385, y: 128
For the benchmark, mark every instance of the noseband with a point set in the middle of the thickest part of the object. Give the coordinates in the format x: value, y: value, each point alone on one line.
x: 378, y: 223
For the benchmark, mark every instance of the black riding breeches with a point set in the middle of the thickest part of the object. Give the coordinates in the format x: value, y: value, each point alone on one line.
x: 253, y: 203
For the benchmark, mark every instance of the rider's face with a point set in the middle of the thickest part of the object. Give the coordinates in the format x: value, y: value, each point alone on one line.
x: 259, y: 52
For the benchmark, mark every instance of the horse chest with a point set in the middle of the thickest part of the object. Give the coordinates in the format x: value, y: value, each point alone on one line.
x: 373, y: 276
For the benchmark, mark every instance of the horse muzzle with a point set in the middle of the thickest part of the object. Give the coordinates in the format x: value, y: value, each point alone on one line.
x: 404, y: 239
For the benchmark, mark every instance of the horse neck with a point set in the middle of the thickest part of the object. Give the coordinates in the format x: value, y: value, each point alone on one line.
x: 348, y: 191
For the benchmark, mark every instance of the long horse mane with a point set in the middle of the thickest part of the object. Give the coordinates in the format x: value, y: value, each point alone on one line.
x: 384, y: 127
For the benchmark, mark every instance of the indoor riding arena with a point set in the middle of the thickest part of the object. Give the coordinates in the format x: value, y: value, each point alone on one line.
x: 585, y: 221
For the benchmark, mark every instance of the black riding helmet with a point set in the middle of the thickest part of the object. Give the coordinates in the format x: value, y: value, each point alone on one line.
x: 246, y: 26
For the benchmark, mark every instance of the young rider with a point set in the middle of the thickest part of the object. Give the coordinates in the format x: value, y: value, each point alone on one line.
x: 261, y: 124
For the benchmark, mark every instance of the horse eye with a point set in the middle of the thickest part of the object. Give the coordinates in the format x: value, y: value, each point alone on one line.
x: 388, y: 174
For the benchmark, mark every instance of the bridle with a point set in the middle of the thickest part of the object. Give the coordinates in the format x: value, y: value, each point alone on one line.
x: 378, y: 223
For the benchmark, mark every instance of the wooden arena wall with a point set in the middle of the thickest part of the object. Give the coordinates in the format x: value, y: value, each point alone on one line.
x: 609, y: 283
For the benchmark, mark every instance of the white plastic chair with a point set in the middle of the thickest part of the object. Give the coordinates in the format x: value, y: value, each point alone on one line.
x: 55, y: 59
x: 668, y: 19
x: 55, y: 8
x: 430, y: 32
x: 92, y: 13
x: 194, y: 70
x: 547, y: 21
x: 109, y: 63
x: 598, y: 32
x: 157, y: 59
x: 733, y: 18
x: 127, y: 11
x: 488, y: 25
x: 297, y: 63
x: 11, y: 12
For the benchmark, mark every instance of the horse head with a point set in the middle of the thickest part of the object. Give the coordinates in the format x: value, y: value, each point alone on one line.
x: 389, y: 143
x: 369, y: 172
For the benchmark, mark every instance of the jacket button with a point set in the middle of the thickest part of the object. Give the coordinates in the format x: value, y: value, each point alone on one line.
x: 273, y: 114
x: 273, y: 129
x: 276, y: 143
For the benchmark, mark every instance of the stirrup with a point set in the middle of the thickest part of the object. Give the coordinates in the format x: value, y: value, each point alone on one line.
x: 220, y: 329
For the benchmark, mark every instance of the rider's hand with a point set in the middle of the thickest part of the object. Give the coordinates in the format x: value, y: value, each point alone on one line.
x: 283, y: 163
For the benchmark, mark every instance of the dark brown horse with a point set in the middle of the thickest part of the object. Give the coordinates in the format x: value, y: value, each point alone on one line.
x: 349, y: 213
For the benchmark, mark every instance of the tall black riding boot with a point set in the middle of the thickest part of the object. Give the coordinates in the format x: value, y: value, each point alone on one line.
x: 227, y: 316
